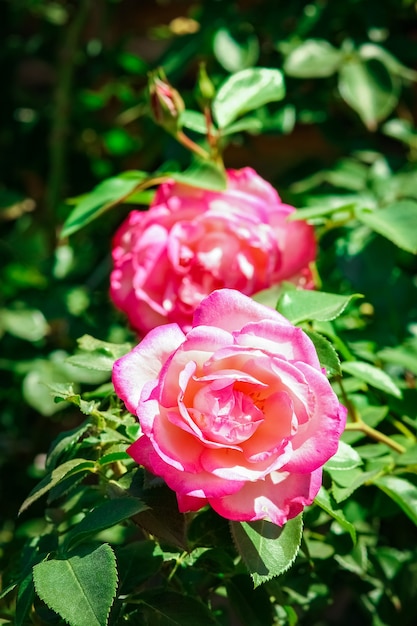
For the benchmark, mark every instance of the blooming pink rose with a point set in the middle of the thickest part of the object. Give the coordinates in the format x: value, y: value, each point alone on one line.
x: 237, y: 413
x: 192, y: 241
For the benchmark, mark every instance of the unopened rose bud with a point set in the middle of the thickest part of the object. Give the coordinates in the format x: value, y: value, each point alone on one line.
x: 166, y: 103
x: 205, y: 90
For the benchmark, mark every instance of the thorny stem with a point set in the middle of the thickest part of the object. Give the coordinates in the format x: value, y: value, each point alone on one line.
x: 358, y: 424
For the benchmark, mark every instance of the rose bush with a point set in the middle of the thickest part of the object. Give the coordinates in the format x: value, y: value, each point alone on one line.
x: 236, y: 413
x: 192, y: 241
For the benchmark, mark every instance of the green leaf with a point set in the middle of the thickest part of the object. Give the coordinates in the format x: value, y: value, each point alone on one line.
x: 400, y: 129
x: 397, y: 222
x: 324, y: 501
x: 248, y: 123
x: 393, y: 65
x: 24, y: 600
x: 65, y: 470
x: 345, y: 482
x: 80, y: 588
x: 409, y: 457
x: 404, y: 356
x: 345, y: 458
x: 327, y: 354
x: 202, y: 174
x: 300, y: 305
x: 91, y: 344
x: 107, y: 514
x: 98, y: 355
x: 267, y: 549
x: 269, y: 297
x: 27, y: 324
x: 63, y: 444
x: 147, y: 553
x: 114, y: 456
x: 245, y: 91
x: 403, y: 492
x: 313, y: 58
x: 368, y: 87
x: 372, y: 376
x: 193, y: 120
x: 103, y: 197
x: 233, y: 54
x: 169, y: 608
x: 92, y: 361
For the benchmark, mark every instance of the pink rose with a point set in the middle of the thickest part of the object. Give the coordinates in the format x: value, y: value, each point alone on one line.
x: 191, y: 242
x: 236, y: 413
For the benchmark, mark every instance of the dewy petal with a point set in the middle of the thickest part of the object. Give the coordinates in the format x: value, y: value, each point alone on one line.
x: 231, y: 310
x: 144, y: 363
x: 199, y: 485
x: 278, y: 498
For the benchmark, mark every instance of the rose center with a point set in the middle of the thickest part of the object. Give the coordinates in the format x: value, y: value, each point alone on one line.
x: 224, y: 414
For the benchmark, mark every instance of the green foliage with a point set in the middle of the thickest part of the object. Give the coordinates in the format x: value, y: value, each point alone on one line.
x: 320, y: 99
x: 245, y: 91
x: 81, y: 587
x: 266, y: 549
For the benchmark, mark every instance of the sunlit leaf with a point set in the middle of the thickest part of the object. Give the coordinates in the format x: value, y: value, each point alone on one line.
x: 397, y: 222
x: 313, y: 58
x: 267, y: 549
x: 27, y: 324
x: 368, y: 87
x: 372, y: 376
x: 373, y: 51
x: 194, y: 120
x: 69, y: 468
x: 345, y: 458
x: 405, y: 356
x: 103, y: 197
x: 234, y: 54
x: 202, y: 174
x: 105, y: 515
x: 63, y: 443
x: 324, y: 501
x: 80, y: 588
x: 346, y: 482
x: 24, y: 600
x: 402, y: 491
x: 327, y: 354
x: 245, y: 91
x: 298, y: 305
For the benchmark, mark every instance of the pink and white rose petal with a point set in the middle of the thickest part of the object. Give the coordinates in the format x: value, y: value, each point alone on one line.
x: 235, y: 413
x: 192, y: 241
